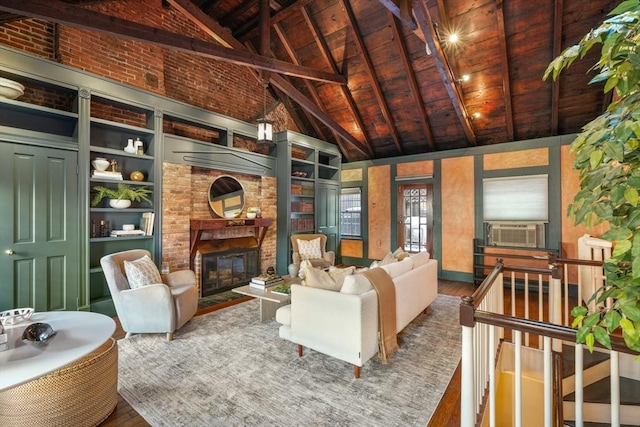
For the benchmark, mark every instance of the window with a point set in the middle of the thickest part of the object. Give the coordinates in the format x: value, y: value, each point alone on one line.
x: 350, y: 208
x: 518, y: 198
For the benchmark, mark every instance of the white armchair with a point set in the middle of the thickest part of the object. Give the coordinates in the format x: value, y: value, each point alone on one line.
x: 154, y: 308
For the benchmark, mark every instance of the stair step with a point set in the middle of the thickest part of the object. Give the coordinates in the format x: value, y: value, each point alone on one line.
x: 599, y: 392
x: 588, y: 359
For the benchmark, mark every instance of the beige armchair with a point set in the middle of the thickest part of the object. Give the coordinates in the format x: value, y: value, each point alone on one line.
x: 327, y: 258
x: 154, y: 308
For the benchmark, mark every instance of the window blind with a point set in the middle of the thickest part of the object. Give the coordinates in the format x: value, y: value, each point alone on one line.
x: 521, y: 198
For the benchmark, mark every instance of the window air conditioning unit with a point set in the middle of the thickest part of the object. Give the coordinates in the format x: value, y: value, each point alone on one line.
x: 526, y: 235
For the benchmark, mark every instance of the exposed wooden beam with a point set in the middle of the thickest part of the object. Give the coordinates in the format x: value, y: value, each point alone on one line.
x: 375, y: 85
x: 265, y: 33
x: 307, y: 104
x: 243, y: 8
x: 296, y: 60
x: 346, y: 93
x: 64, y: 13
x: 201, y: 19
x: 248, y: 33
x: 413, y: 82
x: 208, y: 4
x: 557, y: 50
x: 423, y: 19
x: 401, y: 9
x: 506, y: 80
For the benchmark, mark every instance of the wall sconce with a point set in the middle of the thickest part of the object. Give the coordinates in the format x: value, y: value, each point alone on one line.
x: 465, y: 78
x: 265, y: 127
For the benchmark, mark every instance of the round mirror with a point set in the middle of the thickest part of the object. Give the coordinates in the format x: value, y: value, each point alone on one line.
x: 226, y: 196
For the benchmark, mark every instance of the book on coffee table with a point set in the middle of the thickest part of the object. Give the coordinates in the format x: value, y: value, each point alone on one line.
x: 266, y: 279
x: 264, y: 286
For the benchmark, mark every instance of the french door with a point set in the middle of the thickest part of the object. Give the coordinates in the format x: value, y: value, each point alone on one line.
x: 415, y: 217
x: 39, y: 235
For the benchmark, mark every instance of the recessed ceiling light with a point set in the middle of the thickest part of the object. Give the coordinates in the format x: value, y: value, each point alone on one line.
x: 476, y: 115
x: 465, y: 77
x: 453, y: 38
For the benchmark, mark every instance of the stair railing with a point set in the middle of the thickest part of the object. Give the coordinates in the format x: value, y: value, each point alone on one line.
x: 483, y: 330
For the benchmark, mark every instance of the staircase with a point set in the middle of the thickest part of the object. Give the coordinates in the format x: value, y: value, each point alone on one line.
x: 597, y: 388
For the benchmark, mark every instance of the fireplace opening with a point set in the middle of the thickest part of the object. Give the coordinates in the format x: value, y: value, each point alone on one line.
x: 226, y: 264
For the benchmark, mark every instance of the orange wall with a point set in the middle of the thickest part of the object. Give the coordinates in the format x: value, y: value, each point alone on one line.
x: 458, y: 213
x: 516, y: 159
x: 379, y: 210
x: 422, y: 168
x: 352, y: 248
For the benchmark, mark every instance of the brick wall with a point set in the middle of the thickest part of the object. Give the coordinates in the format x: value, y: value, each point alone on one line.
x: 207, y: 83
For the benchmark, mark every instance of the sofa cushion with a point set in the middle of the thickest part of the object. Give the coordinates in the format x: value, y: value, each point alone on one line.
x: 398, y: 268
x: 310, y: 249
x: 420, y: 258
x: 141, y: 272
x: 331, y: 280
x: 356, y: 284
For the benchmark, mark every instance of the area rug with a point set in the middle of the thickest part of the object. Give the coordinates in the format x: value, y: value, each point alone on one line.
x: 226, y: 368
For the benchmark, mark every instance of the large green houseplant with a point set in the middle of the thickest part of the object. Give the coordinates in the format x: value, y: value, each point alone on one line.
x: 607, y: 155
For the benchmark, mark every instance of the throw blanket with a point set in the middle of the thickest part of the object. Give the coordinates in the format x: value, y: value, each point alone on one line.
x: 382, y: 283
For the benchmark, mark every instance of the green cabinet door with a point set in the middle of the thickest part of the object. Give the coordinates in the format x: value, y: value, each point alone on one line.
x: 328, y: 214
x: 39, y: 235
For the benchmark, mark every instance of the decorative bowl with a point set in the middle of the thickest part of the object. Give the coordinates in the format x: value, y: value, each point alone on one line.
x: 119, y: 203
x: 10, y: 89
x: 38, y: 333
x: 16, y: 315
x: 100, y: 164
x: 251, y: 215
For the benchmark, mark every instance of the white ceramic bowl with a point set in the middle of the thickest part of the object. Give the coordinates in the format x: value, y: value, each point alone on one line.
x: 119, y: 204
x: 10, y: 89
x: 16, y: 315
x: 100, y: 165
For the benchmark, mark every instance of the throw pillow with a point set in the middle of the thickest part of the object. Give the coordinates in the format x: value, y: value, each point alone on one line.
x: 388, y: 259
x: 303, y: 268
x: 400, y: 254
x: 356, y: 284
x: 420, y: 258
x: 141, y: 272
x: 309, y: 249
x: 339, y: 274
x: 317, y: 278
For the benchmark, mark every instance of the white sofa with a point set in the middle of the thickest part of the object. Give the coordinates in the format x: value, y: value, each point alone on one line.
x: 344, y: 324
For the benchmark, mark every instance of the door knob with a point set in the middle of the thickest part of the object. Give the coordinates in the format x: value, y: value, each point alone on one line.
x: 9, y: 252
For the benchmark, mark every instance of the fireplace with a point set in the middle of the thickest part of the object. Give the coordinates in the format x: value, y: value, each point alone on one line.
x: 226, y: 264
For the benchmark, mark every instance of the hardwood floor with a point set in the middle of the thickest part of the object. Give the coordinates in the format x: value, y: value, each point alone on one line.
x: 447, y: 413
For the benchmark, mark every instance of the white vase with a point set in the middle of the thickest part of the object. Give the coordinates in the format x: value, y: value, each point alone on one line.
x: 130, y: 148
x: 119, y: 204
x: 293, y: 270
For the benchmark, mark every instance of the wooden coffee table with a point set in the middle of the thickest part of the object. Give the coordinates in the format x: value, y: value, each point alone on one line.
x: 269, y: 302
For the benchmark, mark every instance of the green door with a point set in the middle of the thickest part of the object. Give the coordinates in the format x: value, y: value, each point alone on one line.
x: 39, y: 240
x: 327, y: 213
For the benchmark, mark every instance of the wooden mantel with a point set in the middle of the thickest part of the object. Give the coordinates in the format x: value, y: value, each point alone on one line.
x: 260, y: 226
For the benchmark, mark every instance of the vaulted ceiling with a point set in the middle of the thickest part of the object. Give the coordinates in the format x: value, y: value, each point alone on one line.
x: 381, y: 78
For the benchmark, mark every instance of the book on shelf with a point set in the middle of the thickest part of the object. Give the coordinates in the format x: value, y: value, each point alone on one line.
x: 107, y: 175
x: 121, y: 233
x: 266, y: 279
x: 146, y: 223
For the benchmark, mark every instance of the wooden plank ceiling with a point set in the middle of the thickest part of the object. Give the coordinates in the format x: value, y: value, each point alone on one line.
x: 381, y: 78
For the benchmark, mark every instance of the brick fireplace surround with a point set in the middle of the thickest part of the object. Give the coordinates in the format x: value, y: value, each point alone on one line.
x: 185, y: 197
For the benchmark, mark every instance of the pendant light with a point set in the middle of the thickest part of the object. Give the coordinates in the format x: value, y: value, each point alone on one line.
x: 265, y: 127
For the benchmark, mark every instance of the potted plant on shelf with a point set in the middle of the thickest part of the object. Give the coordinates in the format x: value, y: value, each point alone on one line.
x: 252, y: 212
x: 121, y: 196
x: 607, y: 154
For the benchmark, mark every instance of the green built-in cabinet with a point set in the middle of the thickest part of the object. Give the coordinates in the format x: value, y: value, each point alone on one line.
x: 308, y: 191
x: 108, y: 138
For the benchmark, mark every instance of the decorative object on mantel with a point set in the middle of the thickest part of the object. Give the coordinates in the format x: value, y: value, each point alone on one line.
x: 226, y: 196
x: 10, y: 89
x: 252, y: 212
